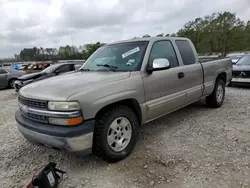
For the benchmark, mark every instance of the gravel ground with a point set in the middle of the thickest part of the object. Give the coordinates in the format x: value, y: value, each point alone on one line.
x: 193, y: 147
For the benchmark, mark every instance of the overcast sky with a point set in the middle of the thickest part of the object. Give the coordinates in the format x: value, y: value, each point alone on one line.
x: 51, y: 23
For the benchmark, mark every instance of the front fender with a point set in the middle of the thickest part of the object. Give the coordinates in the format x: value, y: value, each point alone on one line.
x: 116, y: 97
x: 93, y: 108
x: 94, y: 98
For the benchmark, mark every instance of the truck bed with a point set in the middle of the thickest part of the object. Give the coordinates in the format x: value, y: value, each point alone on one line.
x: 212, y: 69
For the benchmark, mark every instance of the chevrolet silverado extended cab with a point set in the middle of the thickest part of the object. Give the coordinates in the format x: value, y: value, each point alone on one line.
x: 120, y: 87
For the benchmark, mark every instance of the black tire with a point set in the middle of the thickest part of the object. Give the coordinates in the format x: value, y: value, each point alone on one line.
x: 213, y: 100
x: 103, y: 122
x: 11, y: 83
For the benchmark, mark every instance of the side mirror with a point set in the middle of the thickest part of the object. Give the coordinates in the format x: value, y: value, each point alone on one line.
x: 159, y: 64
x: 57, y: 72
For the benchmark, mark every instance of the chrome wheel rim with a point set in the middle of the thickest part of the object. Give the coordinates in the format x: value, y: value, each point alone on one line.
x: 219, y: 93
x: 119, y: 134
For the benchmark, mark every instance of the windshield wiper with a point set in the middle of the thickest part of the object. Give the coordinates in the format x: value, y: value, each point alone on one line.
x: 111, y: 67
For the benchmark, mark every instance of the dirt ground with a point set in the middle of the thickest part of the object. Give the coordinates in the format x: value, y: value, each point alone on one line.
x: 194, y: 147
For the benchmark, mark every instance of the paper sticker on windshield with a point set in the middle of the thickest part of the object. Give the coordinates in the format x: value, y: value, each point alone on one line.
x: 130, y: 52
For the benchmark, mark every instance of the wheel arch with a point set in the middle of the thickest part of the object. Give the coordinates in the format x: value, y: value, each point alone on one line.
x: 222, y: 76
x: 130, y: 102
x: 10, y: 79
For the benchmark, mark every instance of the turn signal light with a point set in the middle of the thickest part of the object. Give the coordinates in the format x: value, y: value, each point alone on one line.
x: 75, y: 121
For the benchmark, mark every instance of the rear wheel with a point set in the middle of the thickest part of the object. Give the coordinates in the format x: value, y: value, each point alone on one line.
x: 11, y: 83
x: 216, y: 99
x: 116, y: 133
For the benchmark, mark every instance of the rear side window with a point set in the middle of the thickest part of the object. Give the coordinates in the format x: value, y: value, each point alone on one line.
x: 64, y: 68
x: 2, y: 71
x: 163, y: 49
x: 186, y: 52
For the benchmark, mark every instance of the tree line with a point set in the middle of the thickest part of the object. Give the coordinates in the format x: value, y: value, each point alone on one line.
x: 221, y: 32
x: 63, y: 53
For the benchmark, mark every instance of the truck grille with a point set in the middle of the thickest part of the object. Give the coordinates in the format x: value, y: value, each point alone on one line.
x: 33, y: 103
x: 35, y: 117
x: 241, y: 74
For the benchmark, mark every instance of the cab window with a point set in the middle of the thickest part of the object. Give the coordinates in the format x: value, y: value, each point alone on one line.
x: 163, y: 49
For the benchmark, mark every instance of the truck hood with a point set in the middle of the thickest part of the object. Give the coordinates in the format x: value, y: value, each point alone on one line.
x: 241, y: 67
x: 62, y: 87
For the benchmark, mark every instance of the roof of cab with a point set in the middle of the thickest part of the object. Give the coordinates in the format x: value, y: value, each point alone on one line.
x: 149, y: 39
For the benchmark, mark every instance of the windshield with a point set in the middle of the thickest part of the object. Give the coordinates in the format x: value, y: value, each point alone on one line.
x: 50, y: 69
x: 30, y: 66
x: 117, y: 57
x: 244, y: 60
x: 235, y: 57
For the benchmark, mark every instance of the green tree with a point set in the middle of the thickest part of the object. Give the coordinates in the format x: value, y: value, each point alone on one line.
x: 146, y: 36
x: 247, y: 36
x: 89, y: 49
x: 160, y: 35
x: 219, y: 32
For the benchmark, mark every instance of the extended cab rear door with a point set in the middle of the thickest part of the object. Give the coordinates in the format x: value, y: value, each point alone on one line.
x: 192, y: 70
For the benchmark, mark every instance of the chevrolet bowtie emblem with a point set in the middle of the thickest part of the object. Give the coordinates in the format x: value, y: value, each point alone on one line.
x: 242, y: 74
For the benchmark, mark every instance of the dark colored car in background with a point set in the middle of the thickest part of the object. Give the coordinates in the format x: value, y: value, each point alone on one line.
x: 52, y: 70
x: 235, y: 57
x: 241, y: 71
x: 8, y: 77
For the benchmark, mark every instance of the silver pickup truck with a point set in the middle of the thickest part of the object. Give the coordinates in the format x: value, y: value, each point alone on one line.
x: 123, y: 85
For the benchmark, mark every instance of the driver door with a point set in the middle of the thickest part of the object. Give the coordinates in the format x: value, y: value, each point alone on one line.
x: 164, y: 89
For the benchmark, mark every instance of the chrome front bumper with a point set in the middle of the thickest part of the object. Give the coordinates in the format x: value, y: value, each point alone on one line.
x: 241, y: 80
x: 77, y: 139
x: 73, y: 144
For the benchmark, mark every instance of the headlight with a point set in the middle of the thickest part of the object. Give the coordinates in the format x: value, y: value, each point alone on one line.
x: 26, y: 81
x: 64, y: 106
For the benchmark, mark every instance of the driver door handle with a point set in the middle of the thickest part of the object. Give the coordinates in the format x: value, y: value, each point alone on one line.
x: 181, y: 75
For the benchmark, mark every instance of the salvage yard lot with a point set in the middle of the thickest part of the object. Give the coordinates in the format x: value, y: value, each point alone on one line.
x: 193, y: 147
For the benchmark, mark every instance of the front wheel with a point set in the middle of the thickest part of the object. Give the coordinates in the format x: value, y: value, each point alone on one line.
x: 216, y: 99
x: 116, y: 133
x: 11, y: 83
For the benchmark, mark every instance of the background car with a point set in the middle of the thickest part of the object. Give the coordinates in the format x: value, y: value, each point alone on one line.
x: 78, y: 63
x: 235, y: 57
x: 36, y: 67
x: 52, y: 70
x: 16, y: 67
x: 5, y: 65
x: 8, y: 77
x: 203, y: 59
x: 241, y: 71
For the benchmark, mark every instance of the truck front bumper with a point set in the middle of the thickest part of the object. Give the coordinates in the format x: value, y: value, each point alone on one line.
x: 241, y: 80
x: 76, y: 139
